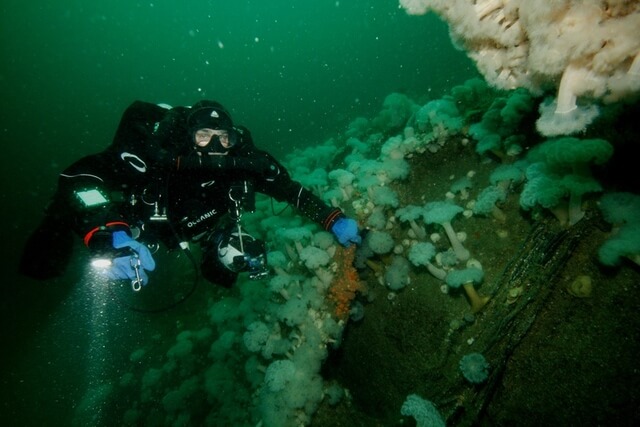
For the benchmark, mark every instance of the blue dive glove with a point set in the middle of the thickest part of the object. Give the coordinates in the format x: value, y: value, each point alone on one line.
x: 346, y: 231
x: 125, y: 267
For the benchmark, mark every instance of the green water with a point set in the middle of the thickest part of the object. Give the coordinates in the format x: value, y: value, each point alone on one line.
x: 294, y: 72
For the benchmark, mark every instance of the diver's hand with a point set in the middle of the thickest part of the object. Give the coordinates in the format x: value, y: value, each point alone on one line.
x: 346, y: 231
x: 125, y: 267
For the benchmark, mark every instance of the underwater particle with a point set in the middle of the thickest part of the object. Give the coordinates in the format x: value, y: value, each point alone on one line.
x: 469, y: 317
x: 455, y: 324
x: 514, y: 294
x: 503, y: 234
x: 580, y: 287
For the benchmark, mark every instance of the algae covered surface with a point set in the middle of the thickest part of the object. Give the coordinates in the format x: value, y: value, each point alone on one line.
x: 558, y: 358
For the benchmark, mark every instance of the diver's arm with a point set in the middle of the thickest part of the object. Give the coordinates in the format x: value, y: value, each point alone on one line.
x: 279, y: 185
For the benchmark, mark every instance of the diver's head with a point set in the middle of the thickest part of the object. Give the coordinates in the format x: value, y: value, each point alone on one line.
x: 212, y: 138
x: 210, y: 125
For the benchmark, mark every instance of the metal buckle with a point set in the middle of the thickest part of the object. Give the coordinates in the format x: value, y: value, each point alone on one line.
x: 136, y: 284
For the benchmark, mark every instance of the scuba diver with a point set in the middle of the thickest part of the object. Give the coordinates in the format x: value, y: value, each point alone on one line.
x: 172, y: 175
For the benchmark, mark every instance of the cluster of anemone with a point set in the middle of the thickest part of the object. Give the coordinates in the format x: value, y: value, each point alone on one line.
x: 588, y: 50
x: 622, y: 211
x: 368, y: 179
x: 262, y: 346
x: 498, y: 133
x: 559, y: 176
